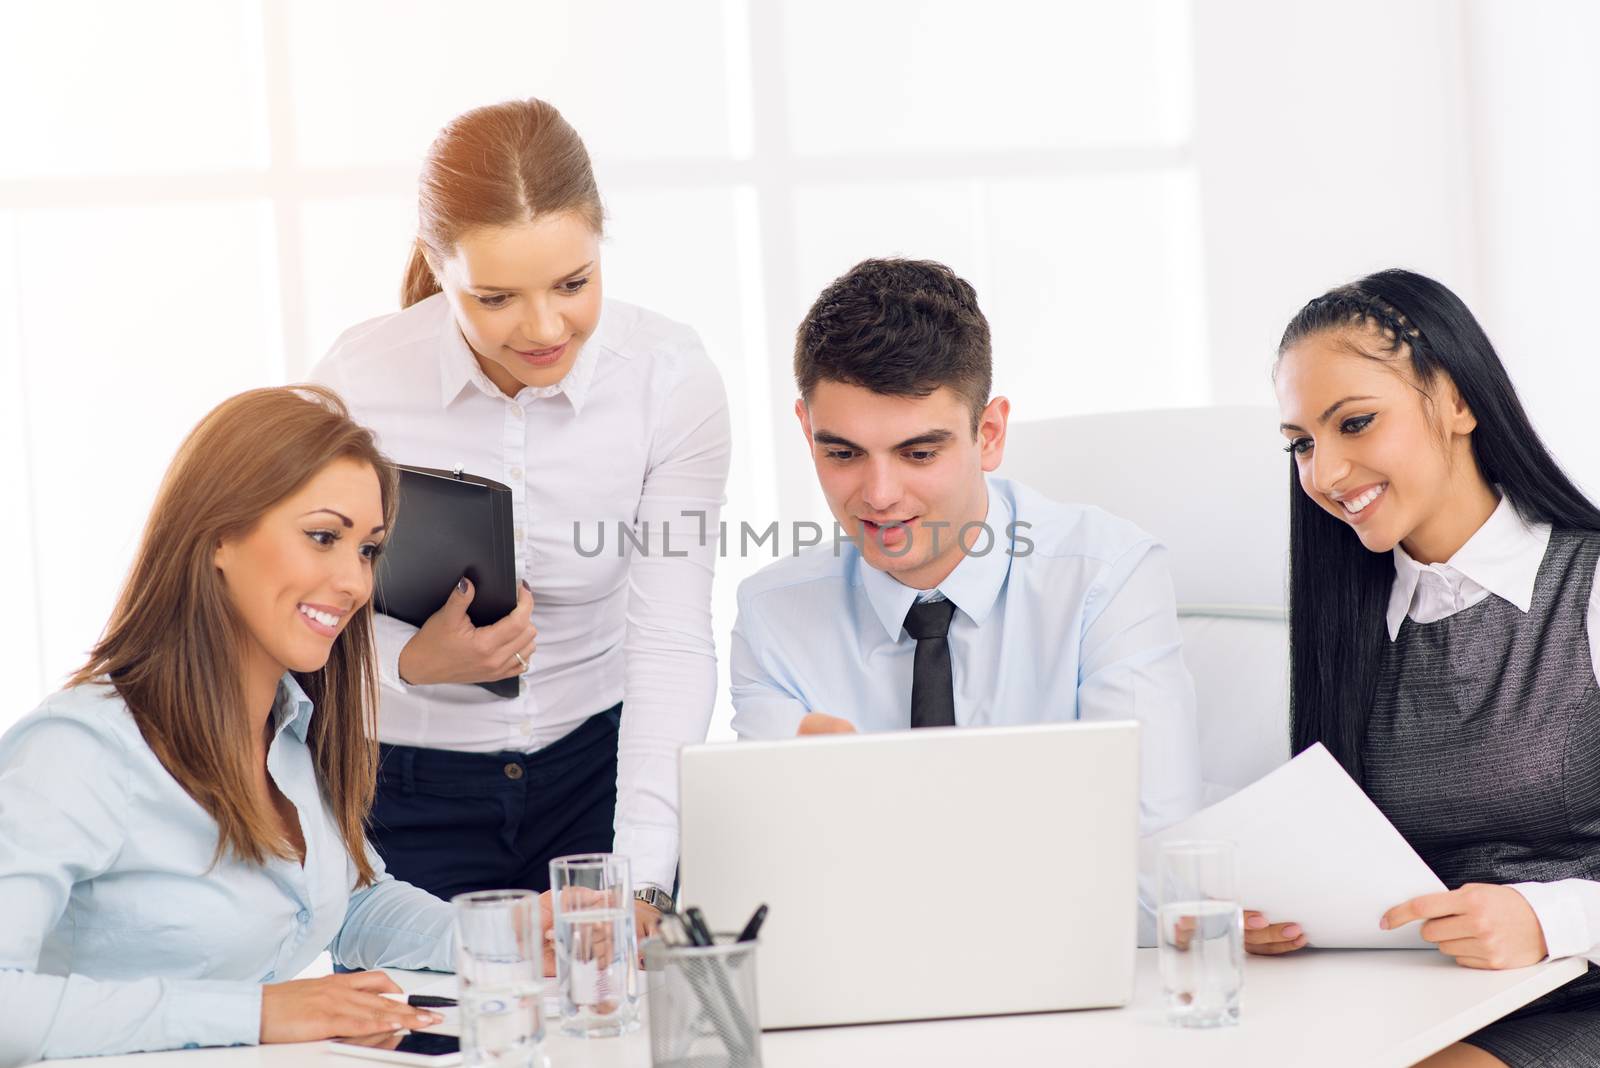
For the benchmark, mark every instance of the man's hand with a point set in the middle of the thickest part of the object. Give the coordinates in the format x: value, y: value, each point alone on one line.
x: 1481, y: 925
x: 822, y: 723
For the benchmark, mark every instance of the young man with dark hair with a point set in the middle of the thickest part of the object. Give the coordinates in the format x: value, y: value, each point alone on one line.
x: 954, y: 598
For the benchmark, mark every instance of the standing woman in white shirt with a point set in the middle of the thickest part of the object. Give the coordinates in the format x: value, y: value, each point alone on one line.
x: 1444, y: 619
x: 599, y: 416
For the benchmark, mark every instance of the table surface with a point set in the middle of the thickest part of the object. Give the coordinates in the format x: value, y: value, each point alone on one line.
x: 1320, y: 1007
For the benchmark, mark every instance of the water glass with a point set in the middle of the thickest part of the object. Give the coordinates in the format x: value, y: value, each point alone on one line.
x: 1201, y: 934
x: 499, y: 970
x: 597, y: 954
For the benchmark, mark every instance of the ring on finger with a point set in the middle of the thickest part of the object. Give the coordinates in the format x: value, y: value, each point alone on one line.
x: 521, y: 660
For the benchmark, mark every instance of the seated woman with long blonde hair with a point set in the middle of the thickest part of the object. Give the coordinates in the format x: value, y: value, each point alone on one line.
x: 181, y: 827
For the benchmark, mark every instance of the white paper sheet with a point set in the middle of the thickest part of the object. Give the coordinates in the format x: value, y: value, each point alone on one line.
x: 1313, y: 849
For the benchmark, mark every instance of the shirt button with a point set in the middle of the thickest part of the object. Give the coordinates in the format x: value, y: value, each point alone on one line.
x: 302, y: 915
x: 513, y: 771
x: 516, y: 472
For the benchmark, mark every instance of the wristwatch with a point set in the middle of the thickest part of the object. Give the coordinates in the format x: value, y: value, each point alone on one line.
x: 655, y: 897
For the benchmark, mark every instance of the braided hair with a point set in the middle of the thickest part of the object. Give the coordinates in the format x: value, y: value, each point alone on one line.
x: 1338, y: 590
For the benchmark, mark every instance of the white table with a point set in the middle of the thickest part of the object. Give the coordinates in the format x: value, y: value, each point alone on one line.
x: 1329, y: 1007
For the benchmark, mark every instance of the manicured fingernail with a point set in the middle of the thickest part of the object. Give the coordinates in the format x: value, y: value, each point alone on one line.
x: 461, y: 587
x: 1292, y: 931
x: 526, y: 586
x: 1255, y: 922
x: 429, y: 1018
x: 1383, y: 923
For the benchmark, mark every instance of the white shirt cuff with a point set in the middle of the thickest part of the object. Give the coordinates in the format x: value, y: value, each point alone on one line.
x: 652, y: 854
x: 391, y: 637
x: 1560, y: 912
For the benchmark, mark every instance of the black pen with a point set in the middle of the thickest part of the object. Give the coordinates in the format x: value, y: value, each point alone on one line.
x: 429, y: 1001
x: 704, y: 937
x: 697, y: 927
x: 756, y: 920
x: 729, y: 1030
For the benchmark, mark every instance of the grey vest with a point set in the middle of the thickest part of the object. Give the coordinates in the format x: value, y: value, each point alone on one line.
x: 1483, y: 744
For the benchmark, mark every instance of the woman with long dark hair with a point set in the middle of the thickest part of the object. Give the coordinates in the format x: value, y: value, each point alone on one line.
x: 1443, y: 623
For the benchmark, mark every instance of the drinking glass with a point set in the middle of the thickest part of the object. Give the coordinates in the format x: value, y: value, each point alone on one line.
x: 597, y: 955
x: 499, y: 970
x: 1201, y: 934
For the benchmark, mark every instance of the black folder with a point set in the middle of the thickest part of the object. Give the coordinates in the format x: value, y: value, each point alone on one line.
x: 449, y: 524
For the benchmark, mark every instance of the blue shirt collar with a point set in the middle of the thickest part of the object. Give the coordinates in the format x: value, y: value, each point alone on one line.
x: 973, y: 586
x: 291, y: 708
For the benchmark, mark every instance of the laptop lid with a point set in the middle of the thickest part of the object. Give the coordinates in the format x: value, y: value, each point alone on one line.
x: 922, y: 874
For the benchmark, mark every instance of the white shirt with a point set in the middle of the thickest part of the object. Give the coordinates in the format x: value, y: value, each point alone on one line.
x: 1074, y: 619
x: 635, y: 434
x: 1502, y: 558
x: 119, y: 933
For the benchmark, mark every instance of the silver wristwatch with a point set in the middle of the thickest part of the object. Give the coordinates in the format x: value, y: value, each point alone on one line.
x: 655, y: 897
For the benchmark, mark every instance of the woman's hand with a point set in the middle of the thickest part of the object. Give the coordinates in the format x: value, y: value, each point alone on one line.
x: 336, y: 1006
x: 1481, y: 925
x: 646, y: 919
x: 448, y: 648
x: 1271, y: 939
x: 598, y: 942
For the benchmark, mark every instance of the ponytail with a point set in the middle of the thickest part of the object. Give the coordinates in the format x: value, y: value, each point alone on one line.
x: 419, y: 282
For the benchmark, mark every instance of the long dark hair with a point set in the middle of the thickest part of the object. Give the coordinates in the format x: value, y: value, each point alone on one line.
x: 1339, y: 590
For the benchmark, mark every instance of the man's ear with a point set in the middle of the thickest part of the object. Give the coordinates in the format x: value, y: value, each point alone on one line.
x: 802, y: 413
x: 992, y: 432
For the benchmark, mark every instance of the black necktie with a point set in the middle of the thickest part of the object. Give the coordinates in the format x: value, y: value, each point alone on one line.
x: 933, y: 699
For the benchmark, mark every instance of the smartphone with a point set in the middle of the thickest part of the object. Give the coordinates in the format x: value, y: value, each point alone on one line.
x: 406, y: 1047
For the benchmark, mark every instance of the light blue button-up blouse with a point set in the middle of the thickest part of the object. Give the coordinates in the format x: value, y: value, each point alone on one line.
x: 118, y: 934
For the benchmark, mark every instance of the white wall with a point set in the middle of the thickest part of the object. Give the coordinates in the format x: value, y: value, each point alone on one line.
x: 196, y: 195
x: 1332, y: 141
x: 1534, y: 89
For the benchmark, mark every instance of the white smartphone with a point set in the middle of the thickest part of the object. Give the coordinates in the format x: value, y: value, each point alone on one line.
x: 407, y: 1047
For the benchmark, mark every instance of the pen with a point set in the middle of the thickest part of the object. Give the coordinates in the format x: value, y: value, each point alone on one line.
x: 430, y: 1001
x: 688, y: 936
x: 756, y: 920
x: 697, y: 927
x: 703, y: 937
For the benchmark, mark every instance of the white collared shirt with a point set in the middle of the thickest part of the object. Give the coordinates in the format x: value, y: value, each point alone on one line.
x: 635, y: 434
x: 1502, y: 558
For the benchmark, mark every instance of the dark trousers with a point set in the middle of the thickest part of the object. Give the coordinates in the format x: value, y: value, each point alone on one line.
x: 454, y: 822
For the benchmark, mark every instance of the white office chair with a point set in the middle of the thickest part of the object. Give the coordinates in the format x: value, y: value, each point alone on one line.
x: 1211, y: 484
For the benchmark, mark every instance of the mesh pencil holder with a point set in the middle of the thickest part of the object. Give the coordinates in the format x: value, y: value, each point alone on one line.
x: 702, y: 1004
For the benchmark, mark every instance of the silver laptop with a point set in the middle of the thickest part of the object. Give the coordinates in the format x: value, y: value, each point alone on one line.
x: 922, y: 874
